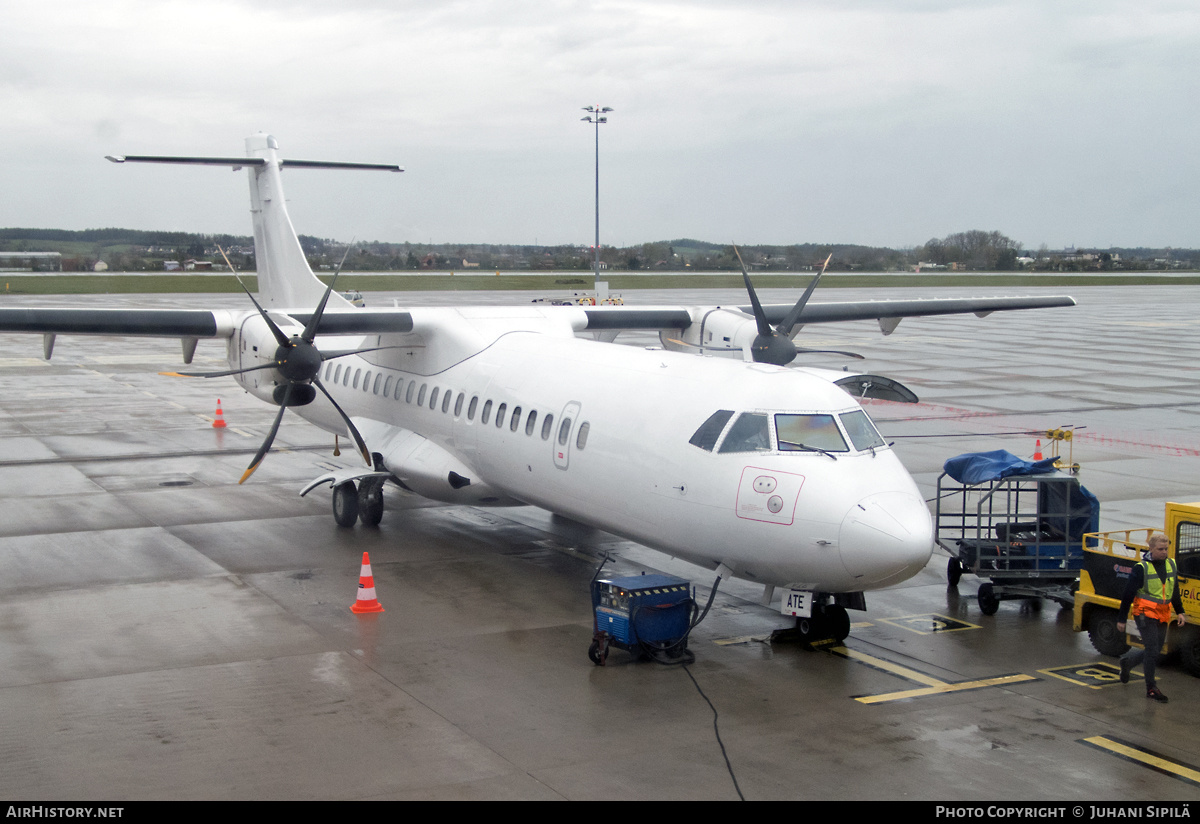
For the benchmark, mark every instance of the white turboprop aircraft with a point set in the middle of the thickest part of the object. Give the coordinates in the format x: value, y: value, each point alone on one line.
x: 735, y: 463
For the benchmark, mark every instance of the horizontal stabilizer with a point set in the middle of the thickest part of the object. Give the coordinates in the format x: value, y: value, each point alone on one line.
x: 240, y: 162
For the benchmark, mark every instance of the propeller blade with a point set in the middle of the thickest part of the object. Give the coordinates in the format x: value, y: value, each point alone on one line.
x: 760, y: 317
x: 785, y: 327
x: 280, y: 337
x: 266, y: 445
x: 310, y: 331
x: 358, y: 438
x: 226, y: 373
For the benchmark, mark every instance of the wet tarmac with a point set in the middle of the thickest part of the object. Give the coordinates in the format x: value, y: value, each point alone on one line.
x: 168, y: 634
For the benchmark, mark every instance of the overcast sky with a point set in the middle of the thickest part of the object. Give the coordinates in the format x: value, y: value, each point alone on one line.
x: 756, y: 121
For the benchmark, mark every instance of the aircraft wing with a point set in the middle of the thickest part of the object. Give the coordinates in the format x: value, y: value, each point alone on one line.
x: 661, y: 317
x: 167, y: 323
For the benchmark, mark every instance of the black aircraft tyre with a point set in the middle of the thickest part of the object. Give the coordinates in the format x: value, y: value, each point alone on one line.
x: 370, y: 502
x: 988, y: 602
x: 345, y: 504
x: 1103, y: 632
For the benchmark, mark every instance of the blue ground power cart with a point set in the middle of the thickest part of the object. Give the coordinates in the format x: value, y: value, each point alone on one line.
x: 645, y: 614
x: 1017, y: 523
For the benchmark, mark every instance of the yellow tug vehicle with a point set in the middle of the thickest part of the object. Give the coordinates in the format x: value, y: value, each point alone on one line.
x: 1109, y: 559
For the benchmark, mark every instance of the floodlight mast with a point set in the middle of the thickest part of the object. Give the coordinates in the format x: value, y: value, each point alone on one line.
x: 597, y: 117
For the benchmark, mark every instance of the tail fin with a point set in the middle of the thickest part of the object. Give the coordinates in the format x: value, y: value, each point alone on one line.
x: 284, y: 276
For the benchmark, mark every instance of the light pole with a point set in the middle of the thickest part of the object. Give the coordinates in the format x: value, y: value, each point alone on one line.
x: 596, y: 115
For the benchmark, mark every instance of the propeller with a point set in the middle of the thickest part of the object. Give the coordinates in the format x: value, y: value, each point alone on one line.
x: 775, y: 345
x: 299, y: 362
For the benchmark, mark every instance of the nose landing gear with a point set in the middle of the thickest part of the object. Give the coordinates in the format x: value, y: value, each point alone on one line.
x: 828, y: 624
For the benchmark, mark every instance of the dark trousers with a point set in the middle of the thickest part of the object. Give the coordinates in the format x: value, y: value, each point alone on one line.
x: 1153, y: 633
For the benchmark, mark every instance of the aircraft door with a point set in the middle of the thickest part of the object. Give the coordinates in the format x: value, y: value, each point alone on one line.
x: 561, y: 436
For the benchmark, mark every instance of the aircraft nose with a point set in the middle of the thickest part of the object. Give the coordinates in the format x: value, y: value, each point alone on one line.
x: 886, y: 538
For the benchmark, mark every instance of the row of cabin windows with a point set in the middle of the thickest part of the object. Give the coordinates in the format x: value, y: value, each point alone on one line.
x: 383, y: 386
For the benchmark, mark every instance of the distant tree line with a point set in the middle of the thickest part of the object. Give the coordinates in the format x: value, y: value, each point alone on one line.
x: 976, y: 250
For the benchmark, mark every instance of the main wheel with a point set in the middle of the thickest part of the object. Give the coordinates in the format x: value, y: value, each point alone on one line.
x: 988, y: 602
x: 370, y: 501
x: 345, y: 504
x: 1103, y: 632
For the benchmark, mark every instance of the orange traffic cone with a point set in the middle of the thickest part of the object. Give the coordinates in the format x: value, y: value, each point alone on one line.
x: 1037, y: 450
x: 366, y: 590
x: 219, y: 420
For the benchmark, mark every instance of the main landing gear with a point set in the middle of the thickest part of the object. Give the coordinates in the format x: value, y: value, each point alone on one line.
x: 358, y: 503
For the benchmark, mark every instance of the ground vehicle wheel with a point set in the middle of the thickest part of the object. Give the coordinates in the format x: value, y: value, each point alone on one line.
x: 988, y: 602
x: 1103, y: 632
x: 370, y: 502
x: 345, y: 504
x: 1189, y: 649
x: 954, y: 572
x: 837, y: 621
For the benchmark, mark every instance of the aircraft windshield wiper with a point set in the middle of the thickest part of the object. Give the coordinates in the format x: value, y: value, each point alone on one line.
x: 802, y: 447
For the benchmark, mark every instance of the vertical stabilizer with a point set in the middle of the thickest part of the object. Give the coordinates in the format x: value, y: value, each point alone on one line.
x: 284, y: 276
x: 284, y: 279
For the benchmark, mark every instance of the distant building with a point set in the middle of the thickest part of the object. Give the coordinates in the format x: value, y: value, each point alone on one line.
x: 31, y: 261
x: 172, y: 266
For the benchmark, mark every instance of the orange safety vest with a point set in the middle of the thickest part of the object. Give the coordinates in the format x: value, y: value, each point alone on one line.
x: 1154, y: 598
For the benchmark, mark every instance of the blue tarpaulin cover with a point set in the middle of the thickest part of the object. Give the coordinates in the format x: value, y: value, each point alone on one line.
x: 977, y: 467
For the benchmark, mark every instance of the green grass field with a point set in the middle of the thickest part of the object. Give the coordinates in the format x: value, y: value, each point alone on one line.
x: 21, y: 283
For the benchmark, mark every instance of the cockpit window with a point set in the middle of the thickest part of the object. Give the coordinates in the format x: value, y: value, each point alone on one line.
x: 860, y: 429
x: 801, y: 433
x: 706, y: 436
x: 749, y: 433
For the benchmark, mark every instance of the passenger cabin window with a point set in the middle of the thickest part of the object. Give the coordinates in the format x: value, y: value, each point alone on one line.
x: 749, y: 433
x: 564, y: 431
x: 412, y: 388
x: 862, y: 432
x: 399, y: 386
x: 581, y: 438
x: 446, y: 401
x: 366, y: 381
x: 802, y: 433
x: 337, y: 373
x: 421, y: 394
x: 471, y: 408
x: 357, y: 375
x: 387, y: 386
x: 487, y: 412
x: 516, y: 419
x: 458, y: 403
x: 547, y: 425
x: 378, y: 378
x: 708, y: 433
x: 500, y: 410
x: 433, y: 396
x: 529, y: 423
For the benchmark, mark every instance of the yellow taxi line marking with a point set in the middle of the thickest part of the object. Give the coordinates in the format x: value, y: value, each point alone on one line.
x: 946, y: 688
x: 1144, y: 757
x: 887, y: 666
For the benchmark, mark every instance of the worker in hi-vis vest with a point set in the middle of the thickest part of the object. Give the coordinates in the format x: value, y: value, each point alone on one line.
x: 1153, y: 589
